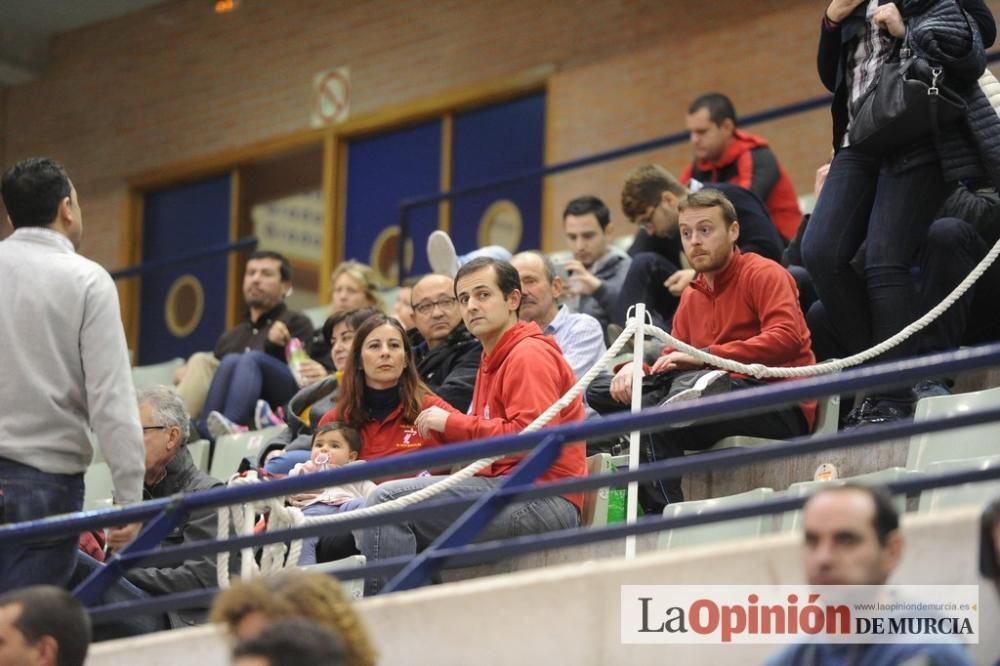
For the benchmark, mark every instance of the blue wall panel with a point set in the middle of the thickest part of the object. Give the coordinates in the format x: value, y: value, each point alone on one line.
x: 383, y: 170
x: 177, y: 221
x: 490, y: 143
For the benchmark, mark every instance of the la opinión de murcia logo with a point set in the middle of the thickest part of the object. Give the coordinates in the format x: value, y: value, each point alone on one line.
x: 787, y: 614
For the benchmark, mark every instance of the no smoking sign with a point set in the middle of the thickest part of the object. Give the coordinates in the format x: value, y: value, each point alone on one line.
x: 331, y: 97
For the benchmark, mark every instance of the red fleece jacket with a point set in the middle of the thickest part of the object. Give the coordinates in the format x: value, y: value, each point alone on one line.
x: 751, y: 314
x: 749, y: 162
x: 523, y: 375
x: 394, y: 435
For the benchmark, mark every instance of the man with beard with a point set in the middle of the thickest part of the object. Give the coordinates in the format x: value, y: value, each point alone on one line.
x: 249, y: 361
x: 740, y: 306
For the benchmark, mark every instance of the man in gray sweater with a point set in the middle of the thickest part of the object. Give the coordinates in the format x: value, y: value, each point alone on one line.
x: 66, y: 369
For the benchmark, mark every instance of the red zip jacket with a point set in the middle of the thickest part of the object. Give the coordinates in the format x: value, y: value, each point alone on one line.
x: 750, y: 315
x: 523, y: 375
x: 750, y: 163
x: 392, y: 436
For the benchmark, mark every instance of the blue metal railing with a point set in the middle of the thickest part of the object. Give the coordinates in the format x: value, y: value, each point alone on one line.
x: 454, y: 549
x: 248, y: 243
x: 529, y: 175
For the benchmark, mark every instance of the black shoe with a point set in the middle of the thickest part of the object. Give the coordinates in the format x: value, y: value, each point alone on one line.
x: 853, y: 418
x: 884, y: 410
x: 930, y: 388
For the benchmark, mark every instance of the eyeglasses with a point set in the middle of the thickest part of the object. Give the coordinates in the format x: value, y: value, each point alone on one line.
x: 158, y: 427
x: 427, y: 307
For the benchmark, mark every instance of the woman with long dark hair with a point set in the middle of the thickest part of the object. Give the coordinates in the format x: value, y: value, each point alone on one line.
x: 381, y: 393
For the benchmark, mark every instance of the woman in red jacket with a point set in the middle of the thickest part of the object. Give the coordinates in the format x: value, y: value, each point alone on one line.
x: 381, y: 392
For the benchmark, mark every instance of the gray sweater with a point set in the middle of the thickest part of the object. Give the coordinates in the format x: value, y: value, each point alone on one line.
x: 65, y: 364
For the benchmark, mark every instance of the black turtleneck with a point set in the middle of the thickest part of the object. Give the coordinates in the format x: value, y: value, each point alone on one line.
x: 381, y: 402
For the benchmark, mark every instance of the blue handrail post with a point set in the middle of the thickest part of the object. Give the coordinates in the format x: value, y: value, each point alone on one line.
x: 476, y: 517
x: 90, y: 590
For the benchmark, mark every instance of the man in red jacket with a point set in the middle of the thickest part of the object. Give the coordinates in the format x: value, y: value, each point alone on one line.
x: 522, y: 373
x: 743, y: 307
x: 725, y: 154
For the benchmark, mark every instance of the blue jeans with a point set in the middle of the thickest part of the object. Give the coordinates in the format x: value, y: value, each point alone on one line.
x: 862, y: 201
x: 309, y: 543
x: 242, y: 380
x: 536, y: 516
x: 27, y: 493
x: 119, y: 591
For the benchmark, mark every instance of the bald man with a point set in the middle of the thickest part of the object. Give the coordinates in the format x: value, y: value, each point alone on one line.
x: 448, y: 358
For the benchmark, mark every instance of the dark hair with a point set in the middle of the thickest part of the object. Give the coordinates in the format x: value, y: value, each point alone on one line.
x: 719, y: 107
x: 989, y: 559
x: 33, y: 189
x: 294, y: 642
x: 886, y: 518
x: 47, y: 610
x: 589, y: 205
x: 352, y: 436
x: 709, y: 198
x: 644, y: 187
x: 354, y: 318
x: 507, y: 278
x: 351, y: 408
x: 286, y: 268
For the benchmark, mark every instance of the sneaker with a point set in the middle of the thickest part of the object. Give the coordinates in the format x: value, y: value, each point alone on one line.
x: 263, y: 417
x: 441, y: 254
x: 853, y: 418
x: 930, y: 388
x: 219, y: 426
x: 882, y: 410
x: 694, y: 385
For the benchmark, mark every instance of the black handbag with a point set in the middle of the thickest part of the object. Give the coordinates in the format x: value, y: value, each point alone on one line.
x: 909, y: 101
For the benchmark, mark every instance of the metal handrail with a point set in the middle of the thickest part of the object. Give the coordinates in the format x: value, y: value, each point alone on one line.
x: 768, y: 115
x: 246, y: 243
x: 756, y: 399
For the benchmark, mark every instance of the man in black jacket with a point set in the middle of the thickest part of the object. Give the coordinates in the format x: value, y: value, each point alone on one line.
x: 170, y: 470
x: 448, y: 357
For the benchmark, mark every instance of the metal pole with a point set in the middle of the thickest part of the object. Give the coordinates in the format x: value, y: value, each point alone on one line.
x: 632, y: 501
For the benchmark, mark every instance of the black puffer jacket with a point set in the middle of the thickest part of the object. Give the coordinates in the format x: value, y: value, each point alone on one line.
x: 450, y: 369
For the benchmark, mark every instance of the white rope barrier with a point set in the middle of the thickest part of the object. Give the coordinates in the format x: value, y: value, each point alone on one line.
x: 275, y: 558
x: 282, y: 517
x: 764, y: 372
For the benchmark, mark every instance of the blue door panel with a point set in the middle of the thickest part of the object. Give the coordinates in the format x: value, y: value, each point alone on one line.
x: 382, y: 171
x: 177, y: 221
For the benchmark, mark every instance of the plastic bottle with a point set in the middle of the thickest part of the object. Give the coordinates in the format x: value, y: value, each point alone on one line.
x: 296, y: 355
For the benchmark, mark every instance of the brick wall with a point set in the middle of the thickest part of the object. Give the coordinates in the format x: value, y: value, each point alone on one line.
x: 176, y: 82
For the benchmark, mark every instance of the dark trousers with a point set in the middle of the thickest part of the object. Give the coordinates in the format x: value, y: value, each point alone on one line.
x: 27, y: 493
x: 952, y: 249
x: 781, y: 423
x: 644, y: 284
x: 892, y: 211
x: 242, y: 380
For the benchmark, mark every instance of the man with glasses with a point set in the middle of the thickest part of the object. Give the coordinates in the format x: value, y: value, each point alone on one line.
x: 448, y: 357
x: 650, y: 198
x: 170, y: 470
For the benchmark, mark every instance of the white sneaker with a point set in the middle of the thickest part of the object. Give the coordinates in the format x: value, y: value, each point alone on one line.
x: 219, y: 426
x: 441, y: 254
x: 712, y: 382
